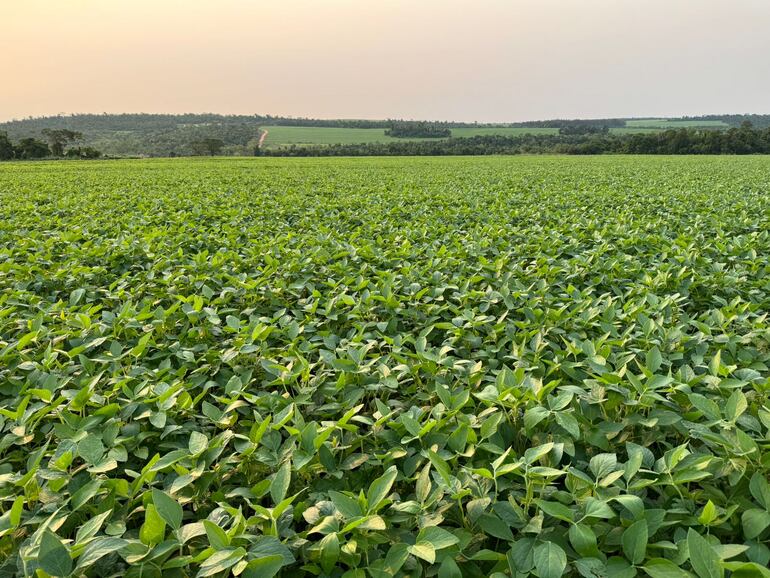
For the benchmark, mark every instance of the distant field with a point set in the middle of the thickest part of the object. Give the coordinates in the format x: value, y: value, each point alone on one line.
x: 279, y: 136
x: 470, y: 132
x: 634, y: 129
x: 288, y: 135
x: 665, y: 123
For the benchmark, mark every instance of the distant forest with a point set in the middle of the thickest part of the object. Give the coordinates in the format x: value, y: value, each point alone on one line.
x: 165, y: 135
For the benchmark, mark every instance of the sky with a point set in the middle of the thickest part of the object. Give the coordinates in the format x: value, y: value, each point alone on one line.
x: 464, y: 60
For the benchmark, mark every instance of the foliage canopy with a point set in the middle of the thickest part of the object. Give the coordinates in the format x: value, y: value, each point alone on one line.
x: 385, y: 367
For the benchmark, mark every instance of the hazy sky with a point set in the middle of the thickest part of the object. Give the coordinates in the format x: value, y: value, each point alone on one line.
x: 485, y: 60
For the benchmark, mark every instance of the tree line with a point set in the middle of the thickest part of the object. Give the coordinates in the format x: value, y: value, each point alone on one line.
x: 416, y: 129
x: 689, y: 141
x: 58, y: 143
x: 165, y: 135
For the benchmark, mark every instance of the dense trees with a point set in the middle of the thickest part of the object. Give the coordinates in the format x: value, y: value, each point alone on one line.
x: 6, y: 147
x: 207, y: 146
x: 32, y: 148
x: 412, y: 129
x: 59, y: 138
x: 181, y: 135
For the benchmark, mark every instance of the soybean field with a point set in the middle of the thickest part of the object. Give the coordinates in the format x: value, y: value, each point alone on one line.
x: 378, y: 367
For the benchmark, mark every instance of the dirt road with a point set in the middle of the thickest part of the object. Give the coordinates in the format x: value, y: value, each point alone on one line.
x: 262, y: 137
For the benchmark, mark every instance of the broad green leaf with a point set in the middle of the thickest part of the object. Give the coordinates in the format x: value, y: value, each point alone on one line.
x: 99, y: 548
x: 754, y: 522
x: 437, y: 537
x: 635, y: 541
x: 263, y: 567
x: 330, y: 552
x: 424, y: 550
x: 218, y: 538
x: 583, y: 540
x: 760, y: 489
x: 708, y: 514
x: 168, y: 508
x: 662, y: 568
x: 449, y: 569
x: 380, y: 488
x: 153, y: 531
x: 550, y: 560
x: 220, y: 561
x: 198, y: 443
x: 53, y: 557
x: 703, y: 559
x: 280, y: 484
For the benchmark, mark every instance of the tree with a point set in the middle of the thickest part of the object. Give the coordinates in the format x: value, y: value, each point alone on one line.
x: 417, y: 129
x: 83, y: 153
x: 207, y: 146
x: 60, y: 138
x: 30, y: 148
x: 6, y: 147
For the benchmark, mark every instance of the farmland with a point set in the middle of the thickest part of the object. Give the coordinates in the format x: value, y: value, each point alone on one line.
x: 668, y: 123
x: 497, y: 366
x: 314, y: 135
x: 281, y: 136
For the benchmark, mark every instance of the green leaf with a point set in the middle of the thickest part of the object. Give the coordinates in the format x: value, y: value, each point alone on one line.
x: 270, y: 546
x: 77, y: 295
x: 395, y: 558
x: 550, y: 560
x: 84, y: 494
x: 220, y: 561
x: 153, y: 530
x: 53, y: 557
x: 534, y: 415
x: 424, y: 550
x: 442, y: 467
x: 583, y: 540
x: 218, y: 538
x: 91, y: 449
x: 569, y: 423
x: 760, y: 489
x: 603, y: 464
x: 99, y: 548
x: 330, y: 552
x: 635, y: 541
x: 380, y: 488
x: 662, y: 568
x: 423, y: 484
x: 280, y: 484
x: 531, y: 455
x: 736, y: 405
x: 437, y: 537
x: 654, y: 360
x: 555, y: 510
x: 168, y: 508
x: 345, y: 505
x: 703, y: 558
x: 748, y: 570
x: 754, y: 522
x: 598, y: 509
x: 496, y: 527
x: 198, y: 443
x: 449, y: 569
x: 708, y: 514
x: 263, y: 567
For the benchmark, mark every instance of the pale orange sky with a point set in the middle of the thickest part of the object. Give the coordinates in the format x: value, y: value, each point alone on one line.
x: 485, y: 60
